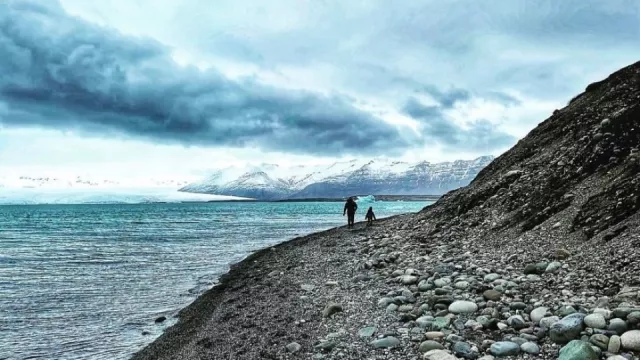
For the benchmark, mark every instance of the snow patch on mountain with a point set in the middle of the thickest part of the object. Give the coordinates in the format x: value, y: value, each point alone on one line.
x: 353, y: 177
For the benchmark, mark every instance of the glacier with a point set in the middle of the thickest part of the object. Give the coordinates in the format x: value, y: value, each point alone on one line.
x: 43, y: 195
x: 366, y: 199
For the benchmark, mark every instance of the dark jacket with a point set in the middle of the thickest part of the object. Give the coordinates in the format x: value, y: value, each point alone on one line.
x: 370, y: 215
x: 350, y: 206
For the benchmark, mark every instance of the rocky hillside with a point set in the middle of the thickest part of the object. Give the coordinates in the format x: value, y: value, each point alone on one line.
x: 556, y: 219
x: 356, y: 177
x: 537, y: 258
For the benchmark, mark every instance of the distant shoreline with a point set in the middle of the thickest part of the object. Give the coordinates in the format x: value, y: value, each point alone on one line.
x: 340, y: 199
x: 377, y: 197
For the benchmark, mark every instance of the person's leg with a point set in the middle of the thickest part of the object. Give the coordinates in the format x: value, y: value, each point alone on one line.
x: 351, y: 219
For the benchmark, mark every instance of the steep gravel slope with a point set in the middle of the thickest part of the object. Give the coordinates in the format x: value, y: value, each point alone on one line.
x: 536, y: 258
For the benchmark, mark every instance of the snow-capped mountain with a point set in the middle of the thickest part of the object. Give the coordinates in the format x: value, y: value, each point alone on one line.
x: 355, y: 177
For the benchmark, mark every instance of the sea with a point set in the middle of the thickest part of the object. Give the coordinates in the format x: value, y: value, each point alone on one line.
x: 89, y: 281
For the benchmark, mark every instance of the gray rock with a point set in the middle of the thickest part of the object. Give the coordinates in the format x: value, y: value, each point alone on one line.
x: 434, y: 335
x: 630, y: 340
x: 567, y: 329
x: 491, y: 277
x: 623, y: 312
x: 577, y: 350
x: 487, y: 357
x: 424, y: 285
x: 562, y: 254
x: 294, y: 347
x: 429, y: 345
x: 408, y: 279
x: 444, y: 269
x: 492, y: 295
x: 444, y: 299
x: 628, y: 293
x: 553, y: 267
x: 604, y: 312
x: 442, y: 282
x: 463, y: 307
x: 516, y: 322
x: 518, y: 340
x: 367, y: 332
x: 384, y: 302
x: 326, y: 346
x: 474, y: 325
x: 596, y: 321
x: 307, y: 287
x: 441, y: 323
x: 538, y: 313
x: 600, y: 340
x: 463, y: 349
x: 392, y: 308
x: 546, y: 322
x: 461, y: 285
x: 424, y: 321
x: 453, y: 338
x: 614, y: 344
x: 530, y: 348
x: 566, y: 311
x: 505, y: 348
x: 531, y: 269
x: 634, y: 318
x: 617, y: 325
x: 485, y: 321
x: 438, y: 355
x: 386, y: 343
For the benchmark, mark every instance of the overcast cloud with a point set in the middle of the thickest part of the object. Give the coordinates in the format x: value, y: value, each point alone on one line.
x: 324, y: 78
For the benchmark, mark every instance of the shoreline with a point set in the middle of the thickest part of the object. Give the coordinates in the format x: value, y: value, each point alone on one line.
x: 194, y: 316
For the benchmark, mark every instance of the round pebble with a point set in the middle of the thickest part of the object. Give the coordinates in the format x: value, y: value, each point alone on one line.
x: 596, y: 321
x: 630, y: 340
x: 463, y: 307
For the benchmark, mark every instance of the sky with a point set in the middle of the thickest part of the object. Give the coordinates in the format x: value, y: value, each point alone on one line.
x: 184, y: 86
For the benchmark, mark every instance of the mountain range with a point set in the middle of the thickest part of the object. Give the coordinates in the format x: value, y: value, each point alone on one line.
x: 340, y: 179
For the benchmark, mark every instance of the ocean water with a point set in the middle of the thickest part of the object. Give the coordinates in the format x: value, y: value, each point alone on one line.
x: 88, y: 281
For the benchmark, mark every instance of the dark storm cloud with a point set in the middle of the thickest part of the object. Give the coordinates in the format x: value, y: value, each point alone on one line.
x: 63, y: 73
x: 482, y: 135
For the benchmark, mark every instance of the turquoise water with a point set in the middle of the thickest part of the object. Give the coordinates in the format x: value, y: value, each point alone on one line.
x: 88, y: 281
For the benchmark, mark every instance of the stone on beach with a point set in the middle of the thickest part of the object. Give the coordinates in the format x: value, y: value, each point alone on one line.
x: 596, y: 321
x: 614, y: 344
x: 505, y: 348
x: 630, y: 340
x: 438, y: 355
x: 463, y: 307
x: 331, y: 309
x: 386, y: 343
x: 538, y: 313
x: 429, y: 345
x: 567, y: 329
x: 577, y: 350
x: 367, y: 331
x: 294, y: 347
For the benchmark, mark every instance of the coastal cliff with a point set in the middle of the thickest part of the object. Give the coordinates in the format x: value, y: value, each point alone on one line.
x: 536, y: 258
